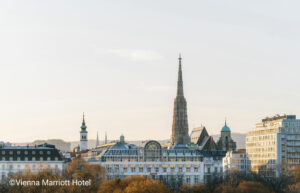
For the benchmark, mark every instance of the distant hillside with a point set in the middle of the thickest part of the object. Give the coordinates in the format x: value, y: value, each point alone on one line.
x: 59, y: 144
x: 239, y: 138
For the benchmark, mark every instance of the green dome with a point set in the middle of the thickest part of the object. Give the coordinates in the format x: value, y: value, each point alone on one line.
x: 83, y: 126
x: 225, y: 128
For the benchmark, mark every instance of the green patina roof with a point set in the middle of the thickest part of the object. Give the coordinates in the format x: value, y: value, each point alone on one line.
x: 225, y: 128
x: 83, y: 126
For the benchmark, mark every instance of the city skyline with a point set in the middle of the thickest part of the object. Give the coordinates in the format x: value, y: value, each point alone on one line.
x: 57, y: 63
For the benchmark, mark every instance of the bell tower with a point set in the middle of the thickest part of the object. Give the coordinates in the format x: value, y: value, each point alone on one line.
x: 83, y: 136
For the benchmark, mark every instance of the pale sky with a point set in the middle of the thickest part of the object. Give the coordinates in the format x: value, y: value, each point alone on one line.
x: 117, y: 62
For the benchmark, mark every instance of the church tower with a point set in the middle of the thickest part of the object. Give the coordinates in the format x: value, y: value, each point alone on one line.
x: 180, y: 128
x: 225, y: 142
x: 83, y: 136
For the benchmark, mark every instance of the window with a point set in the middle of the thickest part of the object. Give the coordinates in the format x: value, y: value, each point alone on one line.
x: 188, y: 169
x: 196, y: 179
x: 180, y: 169
x: 156, y: 169
x: 148, y: 169
x: 3, y: 152
x: 208, y: 170
x: 48, y: 152
x: 41, y: 152
x: 133, y: 169
x: 33, y: 152
x: 18, y: 152
x: 165, y: 169
x: 26, y: 159
x: 10, y: 152
x: 141, y: 169
x: 26, y: 152
x: 188, y: 179
x: 48, y: 158
x: 125, y: 169
x: 19, y: 159
x: 56, y: 158
x: 196, y: 169
x: 216, y: 169
x: 172, y: 169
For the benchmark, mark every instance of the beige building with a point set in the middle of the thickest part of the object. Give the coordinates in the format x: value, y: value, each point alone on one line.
x: 273, y: 145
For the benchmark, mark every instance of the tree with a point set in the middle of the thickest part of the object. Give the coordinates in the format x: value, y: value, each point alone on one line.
x: 225, y: 189
x: 134, y: 184
x: 252, y: 187
x: 197, y: 188
x: 79, y: 169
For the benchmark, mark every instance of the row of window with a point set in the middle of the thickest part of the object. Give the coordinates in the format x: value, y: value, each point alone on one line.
x: 32, y: 159
x: 149, y: 169
x: 170, y: 159
x: 11, y: 166
x: 25, y: 152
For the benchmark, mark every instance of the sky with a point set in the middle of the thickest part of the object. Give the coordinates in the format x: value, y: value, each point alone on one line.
x: 117, y: 61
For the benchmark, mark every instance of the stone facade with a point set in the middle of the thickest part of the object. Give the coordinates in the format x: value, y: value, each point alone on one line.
x: 180, y: 128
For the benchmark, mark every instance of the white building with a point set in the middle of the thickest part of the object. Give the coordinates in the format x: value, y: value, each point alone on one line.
x: 179, y: 164
x: 236, y: 161
x: 15, y: 159
x: 273, y: 145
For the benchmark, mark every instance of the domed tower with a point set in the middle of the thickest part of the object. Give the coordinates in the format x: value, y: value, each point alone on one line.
x: 83, y: 136
x: 225, y: 142
x: 122, y: 139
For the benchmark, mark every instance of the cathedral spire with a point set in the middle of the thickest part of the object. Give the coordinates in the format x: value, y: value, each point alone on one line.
x: 97, y: 140
x: 105, y: 141
x: 179, y: 82
x: 180, y: 128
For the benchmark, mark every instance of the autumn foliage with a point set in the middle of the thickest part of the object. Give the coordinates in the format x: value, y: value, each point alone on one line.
x: 82, y: 170
x: 135, y: 184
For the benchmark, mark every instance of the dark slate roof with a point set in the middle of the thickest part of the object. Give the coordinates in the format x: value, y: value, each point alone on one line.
x: 20, y: 153
x: 180, y: 146
x: 198, y: 135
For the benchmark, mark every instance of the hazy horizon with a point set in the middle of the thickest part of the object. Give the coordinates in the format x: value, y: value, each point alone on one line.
x: 118, y: 61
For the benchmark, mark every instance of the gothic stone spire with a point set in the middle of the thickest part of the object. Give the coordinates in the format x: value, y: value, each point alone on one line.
x: 179, y: 82
x: 180, y: 128
x: 97, y: 140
